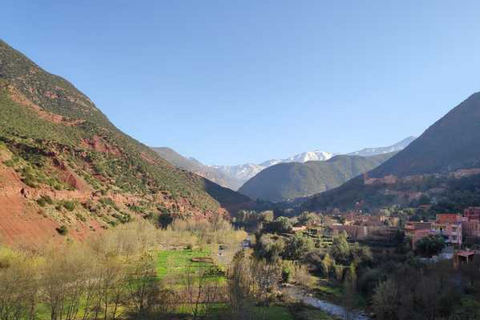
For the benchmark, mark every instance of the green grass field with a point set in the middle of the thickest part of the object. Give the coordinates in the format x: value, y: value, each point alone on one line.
x: 178, y: 262
x: 273, y: 313
x: 261, y: 313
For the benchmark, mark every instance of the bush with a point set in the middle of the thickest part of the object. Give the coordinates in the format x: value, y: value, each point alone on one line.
x: 44, y: 200
x: 63, y: 230
x: 69, y: 205
x: 81, y: 217
x: 41, y: 202
x: 122, y: 217
x: 9, y: 163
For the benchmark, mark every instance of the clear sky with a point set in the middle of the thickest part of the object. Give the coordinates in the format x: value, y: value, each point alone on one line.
x: 230, y: 82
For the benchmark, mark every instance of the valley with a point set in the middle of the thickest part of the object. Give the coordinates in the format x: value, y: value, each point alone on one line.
x: 98, y: 224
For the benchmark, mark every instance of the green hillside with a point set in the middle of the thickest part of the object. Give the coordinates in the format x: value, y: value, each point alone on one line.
x: 60, y: 144
x: 292, y: 180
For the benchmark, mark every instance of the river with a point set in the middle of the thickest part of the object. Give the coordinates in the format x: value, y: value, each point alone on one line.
x: 327, y: 307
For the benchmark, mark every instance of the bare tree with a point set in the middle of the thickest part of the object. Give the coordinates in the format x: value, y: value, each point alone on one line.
x: 18, y: 288
x: 143, y: 287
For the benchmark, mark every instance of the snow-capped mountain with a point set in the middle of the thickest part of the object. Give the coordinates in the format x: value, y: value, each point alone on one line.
x: 234, y: 177
x: 310, y: 156
x: 244, y: 172
x: 368, y: 152
x: 301, y: 157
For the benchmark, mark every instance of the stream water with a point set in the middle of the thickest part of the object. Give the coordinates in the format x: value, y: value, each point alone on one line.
x: 325, y: 306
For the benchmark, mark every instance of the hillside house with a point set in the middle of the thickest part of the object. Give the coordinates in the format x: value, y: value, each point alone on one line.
x: 451, y: 232
x: 472, y: 214
x: 448, y: 218
x: 417, y: 230
x: 471, y: 229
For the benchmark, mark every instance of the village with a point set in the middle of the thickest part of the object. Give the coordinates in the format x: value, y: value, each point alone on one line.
x: 459, y: 232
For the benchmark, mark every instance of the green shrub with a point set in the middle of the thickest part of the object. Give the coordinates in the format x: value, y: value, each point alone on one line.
x: 9, y: 163
x: 30, y: 181
x: 44, y: 200
x: 80, y: 217
x: 41, y: 202
x: 47, y: 199
x: 109, y: 202
x: 69, y: 205
x: 122, y: 217
x: 63, y: 230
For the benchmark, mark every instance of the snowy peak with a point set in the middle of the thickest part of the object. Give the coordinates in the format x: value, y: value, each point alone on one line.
x: 234, y: 176
x: 311, y: 156
x: 301, y: 157
x: 241, y: 172
x: 245, y: 172
x: 368, y: 152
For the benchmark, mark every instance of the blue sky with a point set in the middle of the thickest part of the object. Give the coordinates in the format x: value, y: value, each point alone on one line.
x: 230, y: 82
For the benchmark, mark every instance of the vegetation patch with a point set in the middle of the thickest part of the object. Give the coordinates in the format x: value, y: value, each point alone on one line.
x: 62, y: 230
x: 174, y: 263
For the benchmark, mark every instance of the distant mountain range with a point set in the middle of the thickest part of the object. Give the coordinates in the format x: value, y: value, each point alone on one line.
x: 449, y: 145
x: 368, y: 152
x: 234, y: 177
x: 287, y: 181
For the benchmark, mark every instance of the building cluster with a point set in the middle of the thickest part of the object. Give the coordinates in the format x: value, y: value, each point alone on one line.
x: 359, y: 226
x: 390, y: 179
x: 454, y: 228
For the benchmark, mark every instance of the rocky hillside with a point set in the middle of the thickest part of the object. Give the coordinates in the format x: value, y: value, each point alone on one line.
x: 287, y: 181
x: 65, y: 168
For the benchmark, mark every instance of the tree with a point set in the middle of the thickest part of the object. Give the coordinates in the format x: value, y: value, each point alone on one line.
x: 143, y: 288
x: 279, y: 225
x: 164, y: 220
x: 18, y: 286
x: 430, y: 245
x: 306, y: 218
x: 199, y: 291
x: 269, y: 247
x: 266, y: 276
x: 296, y: 247
x: 386, y: 300
x: 241, y: 288
x: 267, y: 216
x: 327, y: 265
x: 340, y: 249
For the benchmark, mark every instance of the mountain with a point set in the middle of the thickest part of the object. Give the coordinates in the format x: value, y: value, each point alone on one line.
x: 240, y: 174
x: 301, y: 157
x: 446, y: 152
x: 195, y: 166
x: 452, y: 143
x: 63, y: 163
x: 286, y: 181
x: 367, y: 152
